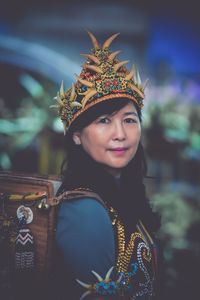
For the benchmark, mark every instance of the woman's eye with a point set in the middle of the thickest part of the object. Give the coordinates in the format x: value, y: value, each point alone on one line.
x: 130, y: 120
x: 104, y: 120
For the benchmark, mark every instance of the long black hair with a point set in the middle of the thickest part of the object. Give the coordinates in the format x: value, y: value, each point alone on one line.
x: 80, y: 170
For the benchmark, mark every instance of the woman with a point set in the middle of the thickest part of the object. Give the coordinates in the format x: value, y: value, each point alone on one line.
x: 104, y: 240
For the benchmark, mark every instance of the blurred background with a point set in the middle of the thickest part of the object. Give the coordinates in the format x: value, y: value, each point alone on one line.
x: 40, y: 42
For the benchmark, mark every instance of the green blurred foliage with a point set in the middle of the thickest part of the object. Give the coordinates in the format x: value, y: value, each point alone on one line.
x: 178, y: 215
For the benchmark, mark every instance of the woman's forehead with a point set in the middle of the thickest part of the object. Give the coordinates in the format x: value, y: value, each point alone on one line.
x: 127, y: 109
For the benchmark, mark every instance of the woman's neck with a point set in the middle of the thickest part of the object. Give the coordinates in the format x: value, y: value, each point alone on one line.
x: 116, y: 173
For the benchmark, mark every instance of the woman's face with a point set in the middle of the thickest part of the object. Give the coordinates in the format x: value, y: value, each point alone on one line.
x: 112, y: 140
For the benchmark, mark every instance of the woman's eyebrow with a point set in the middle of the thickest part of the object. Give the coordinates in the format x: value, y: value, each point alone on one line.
x: 130, y: 113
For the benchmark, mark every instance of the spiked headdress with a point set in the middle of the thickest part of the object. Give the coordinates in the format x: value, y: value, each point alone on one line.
x: 103, y: 77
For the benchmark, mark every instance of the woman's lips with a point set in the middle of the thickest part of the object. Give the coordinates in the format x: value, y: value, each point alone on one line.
x: 118, y: 151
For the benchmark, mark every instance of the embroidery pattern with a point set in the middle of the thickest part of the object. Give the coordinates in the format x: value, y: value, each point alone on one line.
x: 125, y: 269
x: 125, y: 251
x: 148, y: 285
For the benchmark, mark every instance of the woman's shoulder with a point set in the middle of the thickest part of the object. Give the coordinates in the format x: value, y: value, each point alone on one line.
x: 86, y: 216
x: 84, y: 206
x: 85, y: 237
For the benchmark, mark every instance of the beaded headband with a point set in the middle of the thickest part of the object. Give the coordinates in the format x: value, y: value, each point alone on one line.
x: 103, y: 77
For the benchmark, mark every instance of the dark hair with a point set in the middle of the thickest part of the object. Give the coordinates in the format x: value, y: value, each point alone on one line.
x: 129, y: 197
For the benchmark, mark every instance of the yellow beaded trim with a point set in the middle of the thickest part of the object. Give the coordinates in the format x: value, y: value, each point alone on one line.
x: 107, y: 97
x: 125, y: 250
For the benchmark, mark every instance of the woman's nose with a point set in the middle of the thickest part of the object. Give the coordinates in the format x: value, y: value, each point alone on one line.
x: 119, y: 132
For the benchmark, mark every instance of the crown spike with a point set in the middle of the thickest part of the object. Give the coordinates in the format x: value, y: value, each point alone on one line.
x: 94, y: 68
x: 72, y: 93
x: 94, y: 40
x: 118, y: 65
x: 92, y: 57
x: 112, y: 55
x: 83, y: 284
x: 109, y: 41
x: 87, y: 97
x: 139, y: 82
x: 85, y: 294
x: 135, y: 78
x: 97, y: 276
x: 130, y: 75
x: 62, y: 89
x: 145, y: 84
x: 55, y: 106
x: 134, y: 88
x: 58, y: 98
x: 84, y: 82
x: 109, y: 273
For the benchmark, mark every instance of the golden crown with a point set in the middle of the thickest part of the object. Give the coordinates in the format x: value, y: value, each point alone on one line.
x: 103, y: 77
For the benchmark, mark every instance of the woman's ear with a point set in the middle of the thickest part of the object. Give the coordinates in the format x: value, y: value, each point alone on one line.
x: 76, y: 138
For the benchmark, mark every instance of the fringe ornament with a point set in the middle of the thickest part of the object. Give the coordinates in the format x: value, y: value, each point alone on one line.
x: 24, y: 248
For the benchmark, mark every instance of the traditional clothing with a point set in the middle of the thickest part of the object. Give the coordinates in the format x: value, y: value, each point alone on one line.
x: 91, y: 241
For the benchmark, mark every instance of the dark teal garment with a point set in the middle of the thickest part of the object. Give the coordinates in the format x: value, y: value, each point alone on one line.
x: 85, y: 240
x: 85, y: 243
